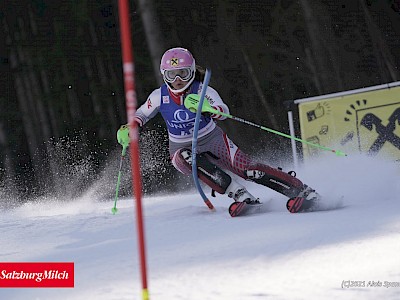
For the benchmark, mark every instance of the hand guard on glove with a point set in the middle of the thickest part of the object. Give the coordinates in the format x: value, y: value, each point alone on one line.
x: 123, y: 134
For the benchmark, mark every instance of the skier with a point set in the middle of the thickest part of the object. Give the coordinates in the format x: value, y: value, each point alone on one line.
x: 216, y: 152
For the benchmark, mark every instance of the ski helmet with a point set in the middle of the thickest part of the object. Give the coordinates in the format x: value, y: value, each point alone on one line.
x: 178, y: 62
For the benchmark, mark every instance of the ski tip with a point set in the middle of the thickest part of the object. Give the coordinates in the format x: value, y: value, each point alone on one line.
x: 294, y: 205
x: 235, y: 208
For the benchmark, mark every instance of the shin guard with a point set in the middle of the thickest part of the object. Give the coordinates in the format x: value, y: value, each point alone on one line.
x: 209, y: 173
x: 275, y: 179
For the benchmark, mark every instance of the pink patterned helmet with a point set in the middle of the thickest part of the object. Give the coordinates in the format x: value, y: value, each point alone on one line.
x: 178, y: 62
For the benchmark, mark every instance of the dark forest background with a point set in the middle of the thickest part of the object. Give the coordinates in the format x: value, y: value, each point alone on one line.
x: 61, y: 86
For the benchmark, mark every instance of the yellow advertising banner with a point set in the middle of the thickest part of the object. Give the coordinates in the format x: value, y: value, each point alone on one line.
x: 366, y: 122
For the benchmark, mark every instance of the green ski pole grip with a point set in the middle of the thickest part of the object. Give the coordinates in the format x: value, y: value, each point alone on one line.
x: 123, y: 137
x: 192, y: 102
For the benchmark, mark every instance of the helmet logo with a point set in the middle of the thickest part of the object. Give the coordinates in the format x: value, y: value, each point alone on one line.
x: 174, y: 62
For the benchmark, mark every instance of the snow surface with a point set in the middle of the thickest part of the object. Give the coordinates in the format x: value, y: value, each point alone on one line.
x: 193, y: 253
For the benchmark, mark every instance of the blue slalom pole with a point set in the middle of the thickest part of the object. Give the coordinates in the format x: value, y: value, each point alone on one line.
x: 194, y: 141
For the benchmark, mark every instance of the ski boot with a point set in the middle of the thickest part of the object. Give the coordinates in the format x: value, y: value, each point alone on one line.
x: 307, y: 200
x: 244, y: 201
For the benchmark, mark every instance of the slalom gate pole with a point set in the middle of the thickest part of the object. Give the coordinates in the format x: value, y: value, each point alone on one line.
x: 131, y: 104
x: 194, y: 141
x: 192, y: 101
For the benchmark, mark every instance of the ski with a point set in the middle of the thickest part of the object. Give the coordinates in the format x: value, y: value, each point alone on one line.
x: 293, y: 205
x: 237, y: 209
x: 300, y: 205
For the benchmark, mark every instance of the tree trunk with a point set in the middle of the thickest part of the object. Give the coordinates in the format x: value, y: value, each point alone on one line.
x: 382, y: 54
x: 153, y: 35
x: 119, y: 100
x: 9, y: 172
x: 318, y: 54
x: 311, y: 66
x: 229, y: 27
x: 37, y: 96
x: 47, y: 95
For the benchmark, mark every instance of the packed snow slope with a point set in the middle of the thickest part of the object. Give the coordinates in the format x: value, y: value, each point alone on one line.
x: 193, y: 253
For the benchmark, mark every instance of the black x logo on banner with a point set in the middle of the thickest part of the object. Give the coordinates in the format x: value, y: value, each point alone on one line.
x: 386, y: 133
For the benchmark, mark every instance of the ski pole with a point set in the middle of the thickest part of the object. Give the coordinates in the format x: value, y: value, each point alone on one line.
x: 123, y: 139
x: 192, y: 101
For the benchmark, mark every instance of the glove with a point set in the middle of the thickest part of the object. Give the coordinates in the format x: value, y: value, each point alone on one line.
x: 123, y: 135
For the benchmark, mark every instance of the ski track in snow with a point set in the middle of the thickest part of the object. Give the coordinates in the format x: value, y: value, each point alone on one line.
x: 193, y: 253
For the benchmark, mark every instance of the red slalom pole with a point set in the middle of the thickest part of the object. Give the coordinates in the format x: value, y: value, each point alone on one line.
x: 131, y: 104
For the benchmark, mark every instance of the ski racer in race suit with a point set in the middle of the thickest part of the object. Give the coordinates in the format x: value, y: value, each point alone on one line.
x: 216, y: 152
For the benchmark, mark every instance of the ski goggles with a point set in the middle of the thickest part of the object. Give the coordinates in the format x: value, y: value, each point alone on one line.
x: 184, y: 74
